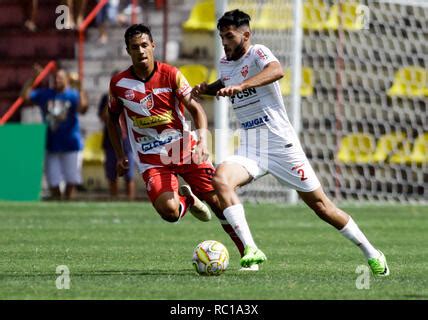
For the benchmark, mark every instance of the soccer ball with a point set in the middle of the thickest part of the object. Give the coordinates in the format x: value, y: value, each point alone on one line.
x: 210, y: 258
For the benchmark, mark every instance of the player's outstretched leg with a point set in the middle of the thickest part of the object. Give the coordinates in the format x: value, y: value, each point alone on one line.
x: 327, y: 211
x: 228, y: 177
x: 197, y: 207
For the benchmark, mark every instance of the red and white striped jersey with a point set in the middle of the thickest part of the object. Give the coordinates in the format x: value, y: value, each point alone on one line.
x: 154, y: 115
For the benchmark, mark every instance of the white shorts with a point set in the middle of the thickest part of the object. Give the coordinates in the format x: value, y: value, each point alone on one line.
x: 288, y: 164
x: 63, y: 166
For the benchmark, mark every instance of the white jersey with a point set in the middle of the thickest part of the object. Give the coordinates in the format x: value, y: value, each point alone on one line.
x: 261, y: 106
x: 269, y: 143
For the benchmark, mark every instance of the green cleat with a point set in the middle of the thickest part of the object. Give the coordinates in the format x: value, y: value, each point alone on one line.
x: 252, y: 256
x: 379, y: 266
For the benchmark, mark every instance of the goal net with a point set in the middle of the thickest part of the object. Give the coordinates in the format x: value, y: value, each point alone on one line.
x: 363, y: 94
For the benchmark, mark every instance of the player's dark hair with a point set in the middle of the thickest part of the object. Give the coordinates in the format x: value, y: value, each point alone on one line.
x: 137, y: 29
x: 234, y: 18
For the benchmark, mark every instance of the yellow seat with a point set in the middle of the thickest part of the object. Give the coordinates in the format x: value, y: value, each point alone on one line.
x: 356, y: 148
x: 351, y: 17
x: 194, y: 73
x: 275, y: 15
x: 410, y: 81
x: 306, y: 86
x: 390, y: 144
x: 314, y: 15
x: 202, y: 17
x: 419, y: 153
x: 93, y: 151
x: 420, y: 149
x: 402, y: 155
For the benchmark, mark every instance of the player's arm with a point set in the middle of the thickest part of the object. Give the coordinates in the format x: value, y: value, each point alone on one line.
x: 115, y: 135
x: 201, y: 124
x: 270, y: 73
x: 198, y: 114
x: 207, y: 89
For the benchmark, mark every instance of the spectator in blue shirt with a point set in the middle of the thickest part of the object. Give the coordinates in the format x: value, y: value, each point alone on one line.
x: 60, y: 107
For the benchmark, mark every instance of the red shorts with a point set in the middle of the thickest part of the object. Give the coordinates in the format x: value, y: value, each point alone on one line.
x: 164, y: 179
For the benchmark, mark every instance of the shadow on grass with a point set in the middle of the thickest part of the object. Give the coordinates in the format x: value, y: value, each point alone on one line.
x: 153, y: 272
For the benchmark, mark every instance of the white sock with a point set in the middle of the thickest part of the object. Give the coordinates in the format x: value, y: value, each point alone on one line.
x: 353, y: 233
x: 235, y: 215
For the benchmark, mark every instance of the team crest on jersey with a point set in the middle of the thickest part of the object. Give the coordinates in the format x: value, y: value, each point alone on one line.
x: 129, y: 94
x: 147, y: 102
x: 244, y: 71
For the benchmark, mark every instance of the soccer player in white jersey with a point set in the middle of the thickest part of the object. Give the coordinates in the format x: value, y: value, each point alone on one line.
x: 249, y: 76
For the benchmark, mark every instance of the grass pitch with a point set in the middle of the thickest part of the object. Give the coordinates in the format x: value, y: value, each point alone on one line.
x: 126, y: 251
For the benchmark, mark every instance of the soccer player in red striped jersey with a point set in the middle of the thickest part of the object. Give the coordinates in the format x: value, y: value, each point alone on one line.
x: 152, y: 96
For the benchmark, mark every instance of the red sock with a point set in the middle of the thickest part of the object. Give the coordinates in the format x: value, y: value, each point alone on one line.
x: 232, y: 234
x: 185, y: 202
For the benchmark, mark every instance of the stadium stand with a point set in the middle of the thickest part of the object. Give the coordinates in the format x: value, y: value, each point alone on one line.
x: 411, y: 81
x: 20, y: 48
